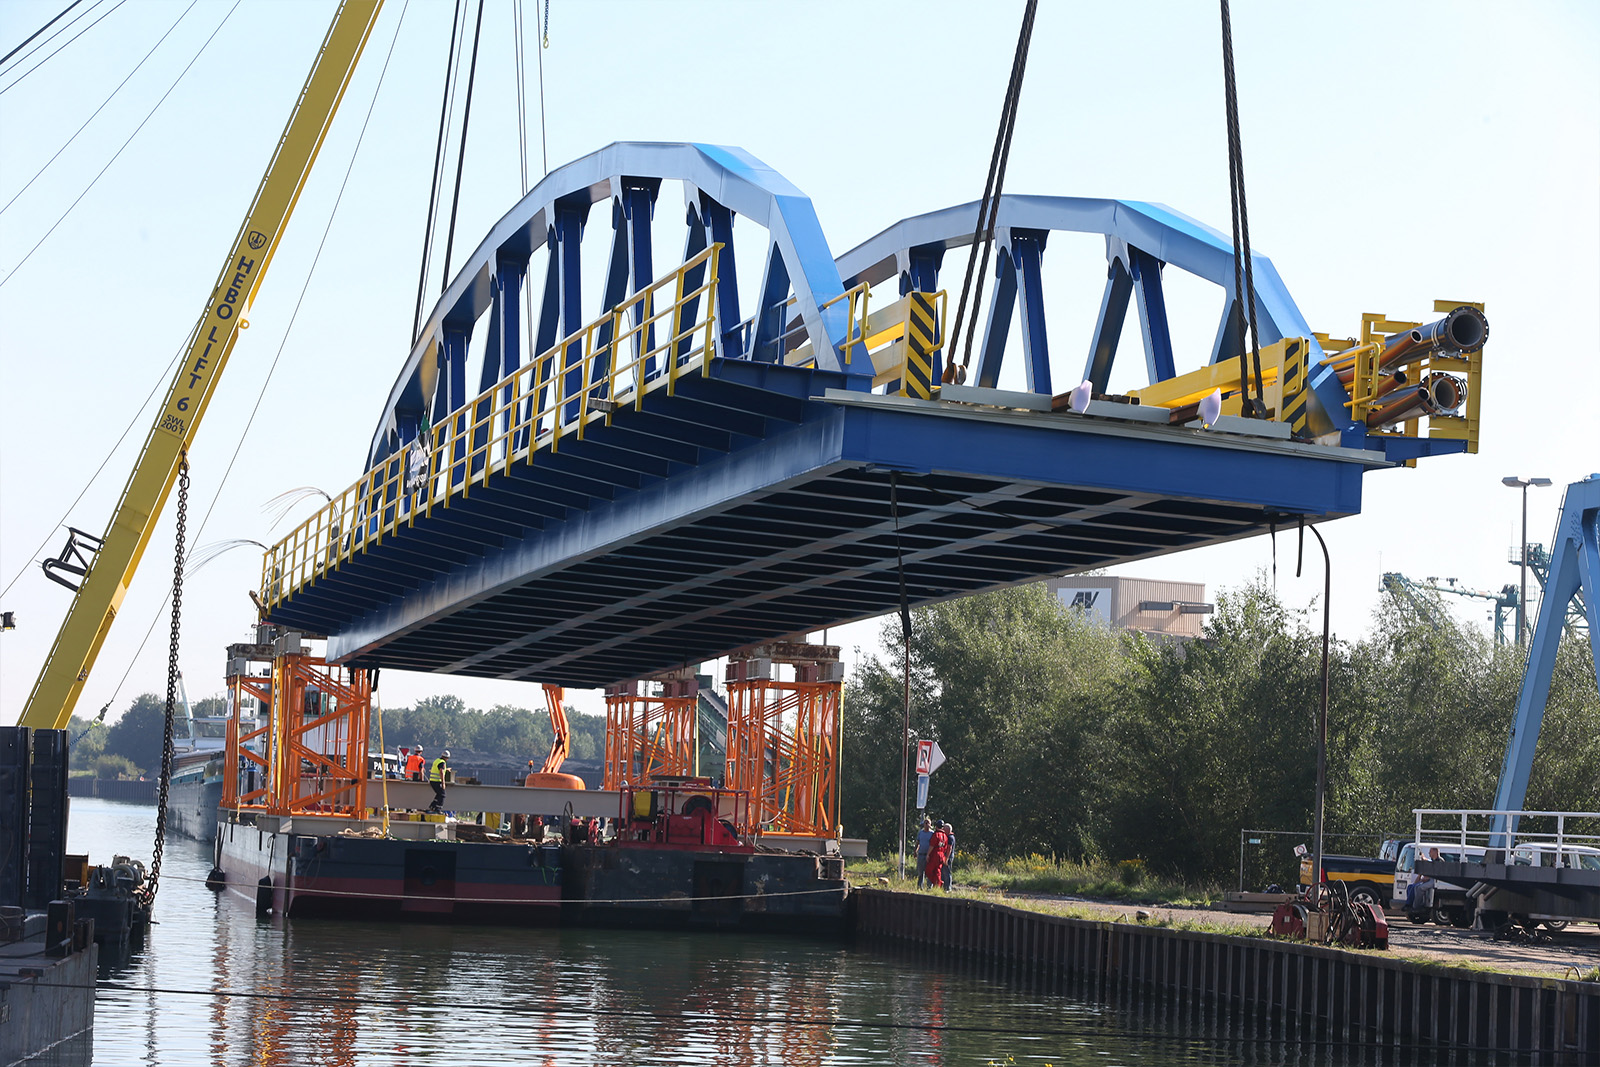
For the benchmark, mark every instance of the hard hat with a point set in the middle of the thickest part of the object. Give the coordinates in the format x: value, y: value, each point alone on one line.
x: 445, y: 753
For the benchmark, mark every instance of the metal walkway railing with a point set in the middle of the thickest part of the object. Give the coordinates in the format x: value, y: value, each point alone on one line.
x: 580, y: 381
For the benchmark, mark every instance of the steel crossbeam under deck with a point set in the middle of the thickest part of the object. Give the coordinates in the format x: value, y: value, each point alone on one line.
x: 761, y: 501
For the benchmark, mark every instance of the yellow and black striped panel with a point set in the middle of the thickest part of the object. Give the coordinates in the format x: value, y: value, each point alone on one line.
x: 922, y: 340
x: 1293, y: 387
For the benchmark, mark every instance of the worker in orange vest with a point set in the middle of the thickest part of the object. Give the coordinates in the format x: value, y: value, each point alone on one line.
x: 414, y: 764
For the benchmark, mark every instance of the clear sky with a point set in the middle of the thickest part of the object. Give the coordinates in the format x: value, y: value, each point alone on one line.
x: 1395, y: 154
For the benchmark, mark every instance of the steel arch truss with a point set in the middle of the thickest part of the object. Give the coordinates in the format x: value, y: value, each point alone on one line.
x: 1142, y: 239
x: 718, y: 184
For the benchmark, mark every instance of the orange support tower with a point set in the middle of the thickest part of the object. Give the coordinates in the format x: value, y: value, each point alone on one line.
x: 783, y: 737
x: 311, y: 756
x: 651, y: 729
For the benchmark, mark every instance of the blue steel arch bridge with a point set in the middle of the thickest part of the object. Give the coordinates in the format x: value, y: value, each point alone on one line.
x: 675, y: 469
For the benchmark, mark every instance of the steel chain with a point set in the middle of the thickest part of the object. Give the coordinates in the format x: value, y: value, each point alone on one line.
x: 165, y: 782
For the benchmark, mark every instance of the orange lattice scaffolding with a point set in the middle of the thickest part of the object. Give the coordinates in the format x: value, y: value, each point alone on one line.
x: 651, y: 729
x: 783, y: 737
x: 313, y: 755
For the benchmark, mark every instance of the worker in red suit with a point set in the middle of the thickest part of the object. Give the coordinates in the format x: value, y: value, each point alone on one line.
x: 938, y: 855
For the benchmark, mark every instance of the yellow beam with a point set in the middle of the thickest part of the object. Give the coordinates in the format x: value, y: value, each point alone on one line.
x: 1198, y: 384
x: 94, y: 608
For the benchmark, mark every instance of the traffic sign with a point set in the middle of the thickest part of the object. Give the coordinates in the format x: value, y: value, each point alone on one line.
x: 922, y: 791
x: 935, y: 757
x: 924, y: 757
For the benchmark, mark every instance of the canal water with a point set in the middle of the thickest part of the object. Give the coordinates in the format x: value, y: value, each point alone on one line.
x: 213, y: 984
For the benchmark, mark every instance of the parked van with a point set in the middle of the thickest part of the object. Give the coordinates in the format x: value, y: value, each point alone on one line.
x: 1450, y: 905
x: 1545, y: 854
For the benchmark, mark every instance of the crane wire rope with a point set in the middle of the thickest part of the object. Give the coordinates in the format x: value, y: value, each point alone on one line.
x: 989, y: 206
x: 60, y: 15
x: 187, y: 67
x: 544, y: 139
x: 521, y: 51
x: 461, y: 154
x: 102, y: 107
x: 284, y: 340
x: 166, y: 375
x: 62, y: 46
x: 446, y: 98
x: 1244, y: 287
x: 519, y: 54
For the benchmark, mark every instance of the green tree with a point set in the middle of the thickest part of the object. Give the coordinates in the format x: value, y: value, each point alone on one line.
x: 1007, y: 683
x: 137, y: 735
x: 88, y: 738
x: 1207, y: 737
x: 107, y: 765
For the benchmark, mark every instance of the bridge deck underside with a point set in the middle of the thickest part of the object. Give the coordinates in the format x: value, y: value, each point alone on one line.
x: 744, y: 509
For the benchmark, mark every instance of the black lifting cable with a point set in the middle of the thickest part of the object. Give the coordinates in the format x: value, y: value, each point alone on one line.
x: 62, y: 14
x: 461, y: 155
x: 438, y: 162
x: 63, y: 46
x: 1244, y: 286
x: 905, y: 663
x: 989, y: 206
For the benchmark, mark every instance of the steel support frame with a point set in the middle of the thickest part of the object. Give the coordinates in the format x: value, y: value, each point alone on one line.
x: 651, y: 730
x: 783, y: 742
x: 1574, y: 567
x: 316, y: 740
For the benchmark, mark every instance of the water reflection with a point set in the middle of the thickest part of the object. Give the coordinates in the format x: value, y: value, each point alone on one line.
x: 350, y: 994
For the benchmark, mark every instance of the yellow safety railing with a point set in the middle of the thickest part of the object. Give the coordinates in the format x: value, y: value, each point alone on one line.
x: 531, y: 409
x: 881, y: 333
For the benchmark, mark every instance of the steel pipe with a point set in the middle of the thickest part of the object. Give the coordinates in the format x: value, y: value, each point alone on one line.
x: 1463, y: 330
x: 1437, y: 394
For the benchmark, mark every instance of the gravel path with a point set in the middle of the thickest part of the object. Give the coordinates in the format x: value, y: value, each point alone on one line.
x: 1578, y: 947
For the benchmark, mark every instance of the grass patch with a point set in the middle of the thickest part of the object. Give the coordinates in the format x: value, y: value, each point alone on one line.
x: 1127, y: 882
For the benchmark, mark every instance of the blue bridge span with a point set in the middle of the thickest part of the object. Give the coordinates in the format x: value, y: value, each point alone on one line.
x: 690, y: 469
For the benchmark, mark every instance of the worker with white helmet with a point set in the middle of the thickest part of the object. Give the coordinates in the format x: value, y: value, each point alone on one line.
x: 436, y: 776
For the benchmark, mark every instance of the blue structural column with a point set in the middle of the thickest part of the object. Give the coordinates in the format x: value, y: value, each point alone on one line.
x: 771, y: 314
x: 1026, y: 251
x: 1108, y: 325
x: 545, y: 335
x: 449, y: 393
x: 616, y: 290
x: 1574, y: 565
x: 1146, y: 272
x: 921, y: 275
x: 570, y: 215
x: 719, y: 220
x: 1230, y: 332
x: 502, y: 354
x: 992, y: 354
x: 638, y: 208
x: 694, y: 243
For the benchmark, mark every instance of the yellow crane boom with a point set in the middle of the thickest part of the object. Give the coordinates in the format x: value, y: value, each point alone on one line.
x: 94, y: 607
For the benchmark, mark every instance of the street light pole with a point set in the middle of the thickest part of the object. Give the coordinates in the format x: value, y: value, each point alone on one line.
x: 1522, y: 598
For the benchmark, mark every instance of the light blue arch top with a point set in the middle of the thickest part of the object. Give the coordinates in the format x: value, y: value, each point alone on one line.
x: 730, y: 176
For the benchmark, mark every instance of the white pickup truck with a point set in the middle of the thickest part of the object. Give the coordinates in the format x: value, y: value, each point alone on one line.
x: 1449, y: 906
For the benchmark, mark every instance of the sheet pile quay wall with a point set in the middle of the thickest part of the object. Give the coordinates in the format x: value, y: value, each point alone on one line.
x: 1309, y: 991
